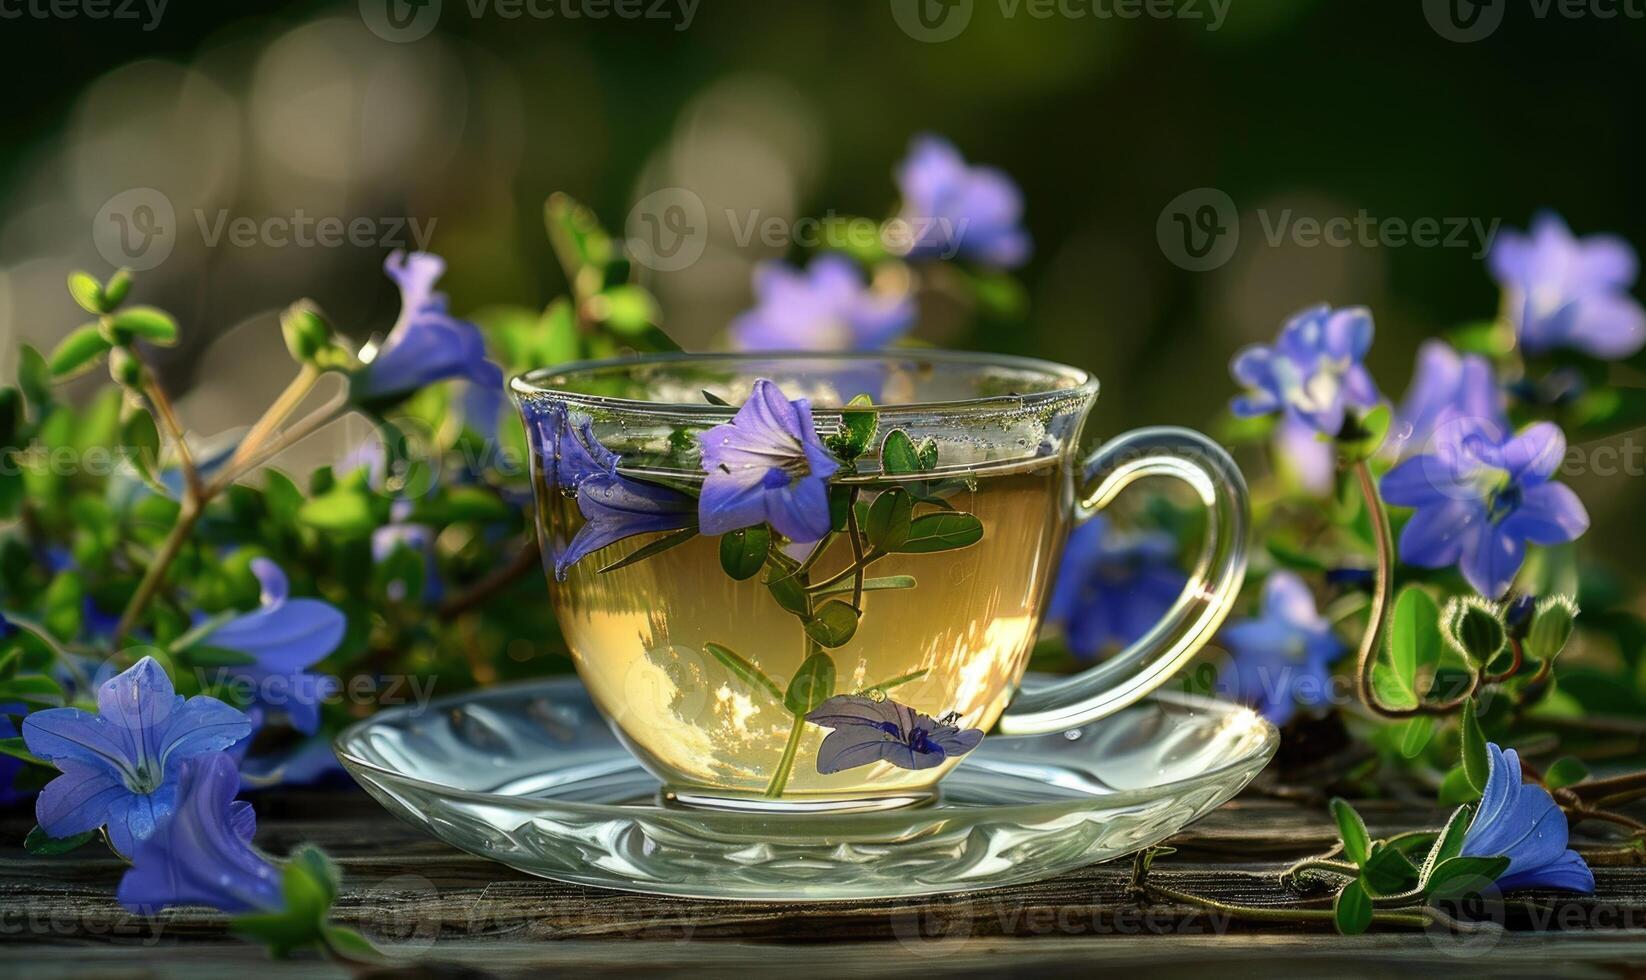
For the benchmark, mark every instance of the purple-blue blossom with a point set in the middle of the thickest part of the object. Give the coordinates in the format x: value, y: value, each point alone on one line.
x: 827, y: 307
x: 402, y: 532
x: 767, y: 465
x: 1445, y: 385
x: 203, y: 854
x: 427, y: 344
x: 1312, y: 373
x: 120, y: 767
x: 1113, y: 586
x: 951, y: 209
x: 1282, y: 658
x: 10, y: 766
x: 613, y: 506
x: 867, y: 730
x: 1481, y: 495
x: 285, y: 636
x: 1522, y: 823
x: 1563, y: 291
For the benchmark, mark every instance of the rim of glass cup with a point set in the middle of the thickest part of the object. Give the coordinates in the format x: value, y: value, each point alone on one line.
x: 1078, y: 383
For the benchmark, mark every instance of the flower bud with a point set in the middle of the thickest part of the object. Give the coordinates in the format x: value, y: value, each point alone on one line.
x: 1551, y: 626
x: 1475, y: 628
x: 306, y: 331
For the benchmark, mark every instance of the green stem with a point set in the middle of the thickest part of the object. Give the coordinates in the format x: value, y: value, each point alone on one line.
x: 785, y: 765
x: 1258, y: 913
x: 156, y: 573
x: 850, y: 570
x: 857, y: 551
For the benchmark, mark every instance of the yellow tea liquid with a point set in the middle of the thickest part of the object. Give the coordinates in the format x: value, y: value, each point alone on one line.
x: 638, y: 637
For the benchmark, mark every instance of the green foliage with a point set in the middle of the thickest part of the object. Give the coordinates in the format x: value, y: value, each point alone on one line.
x: 811, y: 685
x: 308, y: 887
x: 857, y: 428
x: 743, y: 552
x: 1477, y: 764
x: 1352, y: 831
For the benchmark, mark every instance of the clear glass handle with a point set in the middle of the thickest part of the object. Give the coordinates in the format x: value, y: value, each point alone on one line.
x: 1216, y: 579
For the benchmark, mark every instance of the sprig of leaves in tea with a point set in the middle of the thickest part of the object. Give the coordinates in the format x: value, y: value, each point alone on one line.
x: 771, y: 494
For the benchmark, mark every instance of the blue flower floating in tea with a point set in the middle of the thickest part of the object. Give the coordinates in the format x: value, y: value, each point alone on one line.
x: 1481, y: 495
x: 1561, y: 291
x: 613, y: 506
x: 767, y: 465
x: 1522, y: 823
x: 954, y: 210
x: 1313, y: 372
x: 827, y: 307
x: 121, y: 766
x: 867, y: 730
x: 203, y: 855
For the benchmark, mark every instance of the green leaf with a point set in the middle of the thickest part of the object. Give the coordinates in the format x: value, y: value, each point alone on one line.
x: 857, y: 430
x: 1476, y: 760
x: 115, y: 290
x: 1352, y: 909
x: 348, y: 944
x: 578, y: 240
x: 343, y: 511
x: 1414, y: 636
x: 927, y: 453
x: 1351, y: 830
x: 657, y: 547
x: 78, y: 350
x: 1449, y: 843
x: 898, y: 681
x: 743, y: 552
x: 898, y: 455
x: 1455, y: 788
x: 745, y: 671
x: 941, y: 532
x: 142, y: 438
x: 1391, y: 689
x: 628, y: 310
x: 65, y: 597
x: 39, y: 842
x: 33, y: 688
x: 812, y: 684
x: 789, y: 593
x: 880, y: 584
x: 833, y: 624
x: 1476, y: 630
x: 1388, y: 872
x: 1415, y: 735
x: 714, y: 399
x: 146, y: 323
x: 88, y: 292
x: 1564, y: 772
x: 282, y: 497
x: 34, y: 377
x: 888, y: 525
x: 320, y: 870
x: 1459, y: 877
x: 18, y: 749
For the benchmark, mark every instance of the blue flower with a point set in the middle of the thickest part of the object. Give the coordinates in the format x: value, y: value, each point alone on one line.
x: 1445, y: 384
x: 419, y: 538
x: 827, y: 307
x: 1481, y: 495
x: 1282, y: 658
x: 285, y: 636
x: 1522, y: 823
x: 120, y: 766
x: 767, y: 465
x: 203, y: 854
x: 951, y: 209
x: 10, y: 766
x: 427, y: 344
x: 1113, y: 586
x: 866, y: 730
x: 1304, y: 459
x: 1562, y: 291
x: 1312, y: 372
x: 613, y: 506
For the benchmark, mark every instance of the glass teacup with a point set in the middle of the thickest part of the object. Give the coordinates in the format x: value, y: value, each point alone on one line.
x: 797, y: 581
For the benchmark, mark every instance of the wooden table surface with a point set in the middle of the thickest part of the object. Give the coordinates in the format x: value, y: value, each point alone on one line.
x: 442, y: 912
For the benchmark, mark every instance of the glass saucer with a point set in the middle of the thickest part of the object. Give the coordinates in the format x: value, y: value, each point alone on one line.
x: 529, y: 775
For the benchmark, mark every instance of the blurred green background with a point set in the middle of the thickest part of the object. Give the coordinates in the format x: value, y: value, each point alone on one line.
x: 259, y: 110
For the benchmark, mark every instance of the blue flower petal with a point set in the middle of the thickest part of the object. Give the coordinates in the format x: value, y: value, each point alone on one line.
x: 1490, y: 561
x: 134, y: 817
x: 1522, y: 822
x: 1548, y: 514
x: 79, y: 799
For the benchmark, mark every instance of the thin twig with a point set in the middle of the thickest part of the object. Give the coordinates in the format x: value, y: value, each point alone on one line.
x: 524, y: 561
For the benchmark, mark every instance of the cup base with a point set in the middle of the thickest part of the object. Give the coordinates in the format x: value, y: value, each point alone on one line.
x: 710, y: 799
